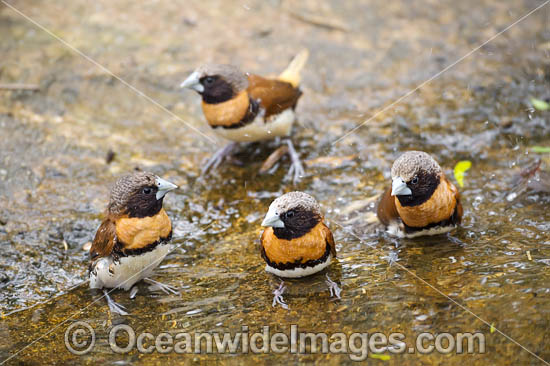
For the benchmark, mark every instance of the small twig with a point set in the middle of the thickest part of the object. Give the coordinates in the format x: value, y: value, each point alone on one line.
x: 531, y: 170
x: 110, y: 156
x: 331, y: 161
x: 17, y: 86
x: 524, y: 180
x: 273, y: 158
x: 354, y: 206
x: 319, y: 21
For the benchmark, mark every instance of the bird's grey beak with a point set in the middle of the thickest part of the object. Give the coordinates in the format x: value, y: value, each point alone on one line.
x: 164, y: 187
x: 193, y: 82
x: 272, y: 219
x: 399, y: 187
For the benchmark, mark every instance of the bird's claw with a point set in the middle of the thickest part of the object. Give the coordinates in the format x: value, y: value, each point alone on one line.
x: 113, y: 306
x: 155, y: 285
x: 218, y: 157
x: 333, y: 287
x: 296, y: 170
x: 278, y: 296
x: 133, y: 292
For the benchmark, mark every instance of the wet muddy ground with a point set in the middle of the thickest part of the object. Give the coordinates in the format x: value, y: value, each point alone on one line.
x: 54, y: 178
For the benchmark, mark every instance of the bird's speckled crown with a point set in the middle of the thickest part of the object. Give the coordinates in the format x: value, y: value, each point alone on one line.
x: 293, y: 200
x: 410, y: 163
x: 230, y: 73
x: 127, y: 185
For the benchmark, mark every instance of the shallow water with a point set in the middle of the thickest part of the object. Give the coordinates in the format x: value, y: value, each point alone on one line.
x: 55, y: 181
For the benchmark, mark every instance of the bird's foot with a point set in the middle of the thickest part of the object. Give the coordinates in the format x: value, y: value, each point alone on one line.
x: 218, y: 157
x: 333, y: 287
x: 296, y: 170
x: 133, y: 292
x: 155, y: 285
x: 278, y: 296
x: 113, y: 306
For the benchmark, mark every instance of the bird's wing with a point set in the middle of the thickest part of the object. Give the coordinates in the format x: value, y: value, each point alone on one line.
x: 104, y: 241
x: 275, y: 96
x: 330, y: 240
x: 263, y: 238
x: 459, y: 210
x: 386, y: 210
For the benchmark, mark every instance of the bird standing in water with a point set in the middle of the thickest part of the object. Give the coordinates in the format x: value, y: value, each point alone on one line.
x: 421, y: 200
x: 296, y: 242
x: 133, y: 238
x: 248, y: 108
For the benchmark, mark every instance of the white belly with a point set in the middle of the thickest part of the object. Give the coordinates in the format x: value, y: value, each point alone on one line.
x: 128, y: 271
x: 299, y: 272
x: 277, y: 126
x: 396, y: 228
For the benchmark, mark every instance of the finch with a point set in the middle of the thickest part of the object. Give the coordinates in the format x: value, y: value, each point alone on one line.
x: 134, y: 236
x: 421, y: 200
x: 244, y: 107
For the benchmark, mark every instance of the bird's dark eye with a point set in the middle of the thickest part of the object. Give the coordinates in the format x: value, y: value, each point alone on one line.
x: 147, y: 190
x: 290, y: 214
x: 415, y: 180
x: 209, y: 80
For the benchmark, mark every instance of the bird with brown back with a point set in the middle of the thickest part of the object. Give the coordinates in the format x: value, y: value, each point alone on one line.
x: 244, y: 107
x: 421, y: 200
x: 296, y: 242
x: 134, y: 236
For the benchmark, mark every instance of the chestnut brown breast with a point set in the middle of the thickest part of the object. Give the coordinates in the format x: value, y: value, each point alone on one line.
x: 310, y: 246
x: 227, y: 113
x: 135, y: 233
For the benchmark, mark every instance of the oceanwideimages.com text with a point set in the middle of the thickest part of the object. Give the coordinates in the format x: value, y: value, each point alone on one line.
x: 80, y: 339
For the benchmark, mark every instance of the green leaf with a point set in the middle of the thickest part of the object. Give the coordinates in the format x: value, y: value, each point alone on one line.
x: 460, y: 168
x: 380, y: 356
x: 541, y: 149
x: 540, y: 105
